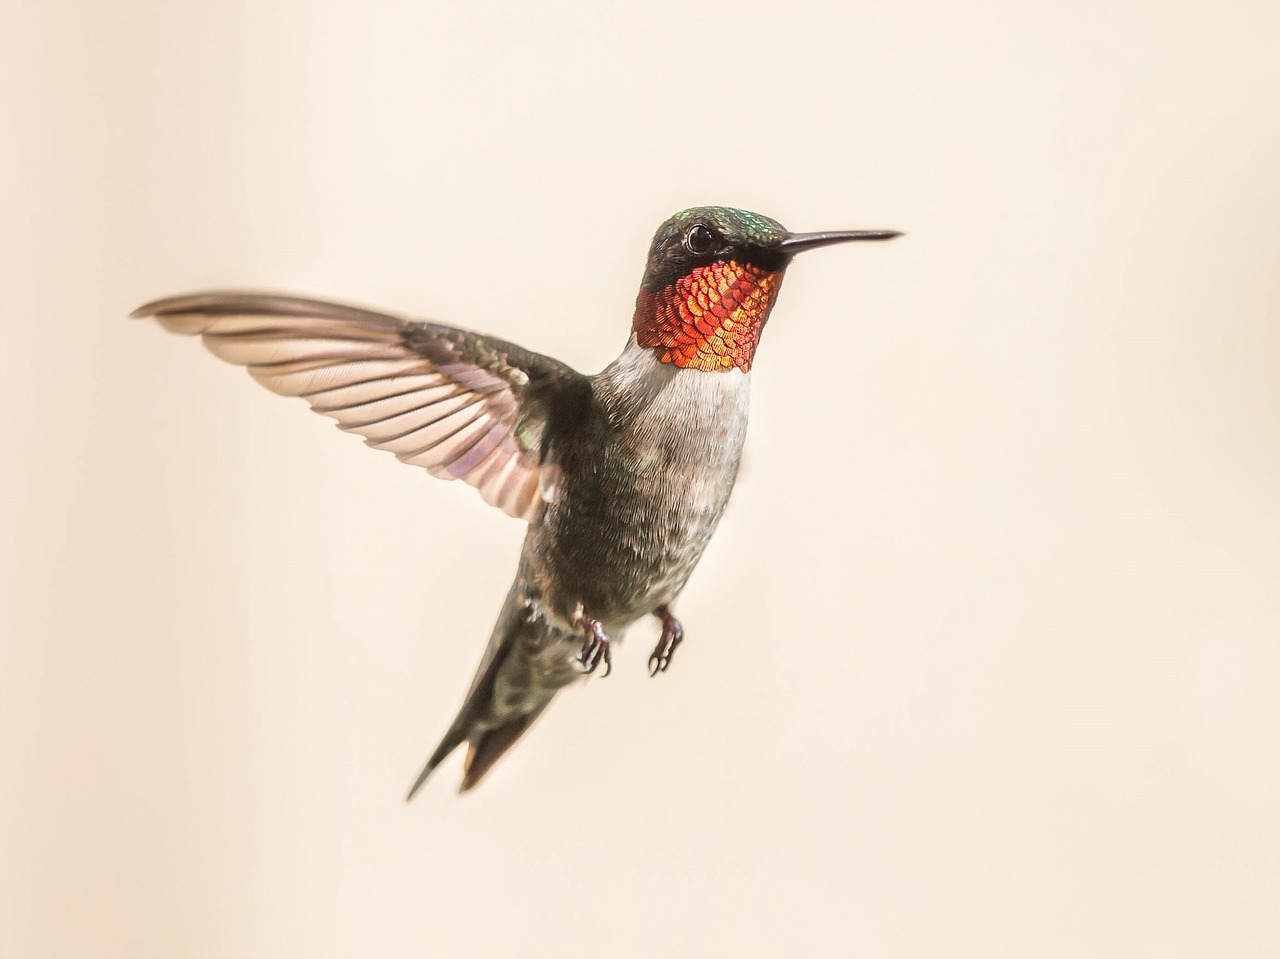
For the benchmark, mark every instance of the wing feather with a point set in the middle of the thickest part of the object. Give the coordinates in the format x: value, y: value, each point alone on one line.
x: 458, y: 404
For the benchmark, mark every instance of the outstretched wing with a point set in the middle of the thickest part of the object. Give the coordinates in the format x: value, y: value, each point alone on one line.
x: 460, y: 405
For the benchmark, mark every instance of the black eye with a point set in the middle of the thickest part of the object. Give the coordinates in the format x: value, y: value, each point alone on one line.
x: 699, y: 240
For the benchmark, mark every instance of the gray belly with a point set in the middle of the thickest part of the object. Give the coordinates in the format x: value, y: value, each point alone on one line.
x: 641, y: 497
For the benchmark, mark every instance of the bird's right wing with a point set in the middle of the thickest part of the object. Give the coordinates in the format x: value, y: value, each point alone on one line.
x: 459, y: 404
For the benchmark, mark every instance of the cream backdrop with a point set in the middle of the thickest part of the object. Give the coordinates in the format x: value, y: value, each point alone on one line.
x: 984, y: 660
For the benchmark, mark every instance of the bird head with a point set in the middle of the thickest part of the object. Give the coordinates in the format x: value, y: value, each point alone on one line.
x: 711, y: 280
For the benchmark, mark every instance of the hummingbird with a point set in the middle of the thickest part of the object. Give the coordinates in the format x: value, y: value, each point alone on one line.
x: 622, y: 476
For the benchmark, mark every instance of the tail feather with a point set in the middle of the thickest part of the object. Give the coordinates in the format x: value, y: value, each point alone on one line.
x: 512, y: 686
x: 452, y: 740
x: 487, y: 748
x: 479, y: 698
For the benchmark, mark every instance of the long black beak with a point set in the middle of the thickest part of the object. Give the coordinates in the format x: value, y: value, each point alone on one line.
x: 797, y: 242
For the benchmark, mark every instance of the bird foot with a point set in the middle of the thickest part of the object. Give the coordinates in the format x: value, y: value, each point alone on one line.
x: 672, y: 635
x: 595, y: 647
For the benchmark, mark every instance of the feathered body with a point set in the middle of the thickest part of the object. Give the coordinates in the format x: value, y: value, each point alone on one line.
x: 622, y: 476
x: 653, y: 459
x: 653, y: 465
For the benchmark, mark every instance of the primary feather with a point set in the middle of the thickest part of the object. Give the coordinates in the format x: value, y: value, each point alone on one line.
x: 458, y: 404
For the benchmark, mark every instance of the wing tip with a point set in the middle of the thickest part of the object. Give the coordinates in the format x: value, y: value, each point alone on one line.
x: 214, y: 302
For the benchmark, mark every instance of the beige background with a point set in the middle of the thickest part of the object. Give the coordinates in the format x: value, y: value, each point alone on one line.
x: 985, y: 659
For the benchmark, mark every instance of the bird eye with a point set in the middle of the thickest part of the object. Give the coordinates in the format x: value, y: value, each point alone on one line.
x: 699, y: 240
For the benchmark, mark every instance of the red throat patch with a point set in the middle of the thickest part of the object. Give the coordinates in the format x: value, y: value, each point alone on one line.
x: 709, y: 319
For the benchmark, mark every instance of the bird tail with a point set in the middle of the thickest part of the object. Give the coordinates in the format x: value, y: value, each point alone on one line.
x: 509, y: 692
x: 486, y: 748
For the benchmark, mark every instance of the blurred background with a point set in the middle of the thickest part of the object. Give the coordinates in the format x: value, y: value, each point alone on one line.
x: 984, y: 660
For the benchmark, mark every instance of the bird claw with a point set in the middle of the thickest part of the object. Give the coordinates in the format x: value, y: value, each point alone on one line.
x: 595, y: 648
x: 672, y: 635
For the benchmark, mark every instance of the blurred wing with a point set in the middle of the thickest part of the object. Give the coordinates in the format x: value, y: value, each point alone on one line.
x: 458, y: 404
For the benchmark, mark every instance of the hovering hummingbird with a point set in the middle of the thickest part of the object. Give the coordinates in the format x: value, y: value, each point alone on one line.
x: 621, y: 476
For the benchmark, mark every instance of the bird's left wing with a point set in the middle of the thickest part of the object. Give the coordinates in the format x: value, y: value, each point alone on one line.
x: 459, y: 404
